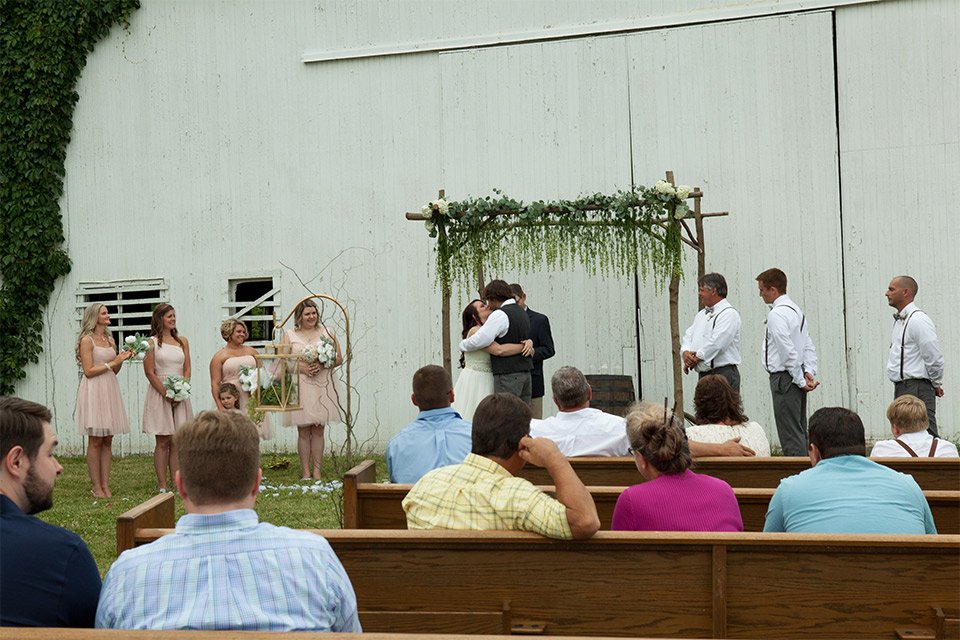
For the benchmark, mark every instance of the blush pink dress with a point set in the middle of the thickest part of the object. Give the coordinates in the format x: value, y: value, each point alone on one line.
x: 320, y: 395
x: 159, y: 416
x: 100, y: 410
x: 230, y: 372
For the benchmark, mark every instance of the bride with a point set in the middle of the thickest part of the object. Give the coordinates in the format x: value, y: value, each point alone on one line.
x: 476, y: 380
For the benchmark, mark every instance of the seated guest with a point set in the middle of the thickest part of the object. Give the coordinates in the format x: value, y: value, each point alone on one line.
x: 908, y: 422
x: 720, y: 417
x: 579, y: 430
x: 438, y: 437
x: 47, y: 576
x: 483, y: 492
x: 845, y: 492
x: 673, y: 498
x: 730, y: 448
x: 222, y: 569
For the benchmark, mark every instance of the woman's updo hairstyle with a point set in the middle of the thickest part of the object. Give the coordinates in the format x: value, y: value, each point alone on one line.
x: 228, y: 325
x: 660, y: 441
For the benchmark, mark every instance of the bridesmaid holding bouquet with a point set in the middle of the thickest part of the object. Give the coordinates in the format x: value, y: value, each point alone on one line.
x: 170, y: 356
x: 100, y: 412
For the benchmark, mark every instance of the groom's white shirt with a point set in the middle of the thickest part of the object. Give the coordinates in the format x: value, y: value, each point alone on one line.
x: 495, y: 327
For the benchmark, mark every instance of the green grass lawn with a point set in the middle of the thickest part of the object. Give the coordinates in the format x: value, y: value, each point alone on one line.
x: 284, y: 499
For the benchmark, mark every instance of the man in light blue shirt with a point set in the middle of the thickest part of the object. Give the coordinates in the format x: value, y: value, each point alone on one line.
x: 846, y: 492
x: 438, y: 437
x: 222, y: 569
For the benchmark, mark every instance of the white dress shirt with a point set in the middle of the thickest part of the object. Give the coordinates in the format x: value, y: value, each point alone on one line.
x: 587, y: 432
x: 786, y: 342
x: 919, y: 441
x: 921, y: 355
x: 495, y: 327
x: 714, y: 336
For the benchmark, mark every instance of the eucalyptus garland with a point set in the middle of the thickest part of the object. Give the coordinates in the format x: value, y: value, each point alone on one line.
x: 611, y: 234
x: 44, y: 48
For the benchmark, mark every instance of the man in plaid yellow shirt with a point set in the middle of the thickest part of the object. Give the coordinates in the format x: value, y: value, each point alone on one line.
x: 483, y: 493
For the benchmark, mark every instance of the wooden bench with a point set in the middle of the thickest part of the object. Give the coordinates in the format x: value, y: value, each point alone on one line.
x: 736, y: 585
x: 932, y: 474
x: 56, y: 633
x: 371, y: 505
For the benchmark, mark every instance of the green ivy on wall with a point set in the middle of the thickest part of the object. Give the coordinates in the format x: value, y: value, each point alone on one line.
x: 43, y: 49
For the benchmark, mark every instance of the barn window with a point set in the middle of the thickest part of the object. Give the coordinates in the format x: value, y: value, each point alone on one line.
x: 254, y: 300
x: 130, y: 303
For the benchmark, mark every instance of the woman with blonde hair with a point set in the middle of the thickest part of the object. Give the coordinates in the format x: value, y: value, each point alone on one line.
x: 170, y: 356
x: 100, y: 411
x: 319, y: 392
x: 225, y: 367
x: 673, y: 498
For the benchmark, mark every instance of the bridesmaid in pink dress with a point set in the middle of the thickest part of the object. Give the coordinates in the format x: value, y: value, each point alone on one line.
x: 170, y: 356
x: 319, y: 393
x: 100, y: 411
x: 225, y: 367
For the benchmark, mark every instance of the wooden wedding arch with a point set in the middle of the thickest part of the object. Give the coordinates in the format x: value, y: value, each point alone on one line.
x: 663, y: 229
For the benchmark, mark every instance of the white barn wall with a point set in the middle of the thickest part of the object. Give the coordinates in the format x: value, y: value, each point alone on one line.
x: 201, y: 128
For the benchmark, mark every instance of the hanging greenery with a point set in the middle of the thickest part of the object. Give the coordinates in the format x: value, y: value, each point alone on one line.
x: 44, y: 48
x: 613, y: 234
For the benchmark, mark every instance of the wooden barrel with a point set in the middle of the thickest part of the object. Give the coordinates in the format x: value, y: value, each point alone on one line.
x: 611, y: 394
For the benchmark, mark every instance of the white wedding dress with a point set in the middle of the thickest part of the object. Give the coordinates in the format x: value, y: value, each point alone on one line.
x: 474, y: 383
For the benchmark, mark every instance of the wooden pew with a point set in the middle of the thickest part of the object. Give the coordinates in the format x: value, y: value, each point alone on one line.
x: 371, y: 505
x: 54, y: 633
x: 932, y: 474
x: 736, y: 585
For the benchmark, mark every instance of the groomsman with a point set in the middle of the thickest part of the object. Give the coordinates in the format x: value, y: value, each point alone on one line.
x: 915, y: 366
x: 790, y: 358
x: 542, y: 348
x: 711, y: 345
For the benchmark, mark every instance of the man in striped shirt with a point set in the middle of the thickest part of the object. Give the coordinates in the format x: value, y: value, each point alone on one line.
x: 222, y: 569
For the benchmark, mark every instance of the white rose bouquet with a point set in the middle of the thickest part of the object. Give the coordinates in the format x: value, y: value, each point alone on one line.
x: 250, y: 378
x: 178, y: 388
x: 326, y: 352
x: 309, y: 353
x: 139, y: 345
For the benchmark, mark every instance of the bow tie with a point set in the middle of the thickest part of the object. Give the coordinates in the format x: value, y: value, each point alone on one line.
x: 899, y: 316
x: 708, y: 309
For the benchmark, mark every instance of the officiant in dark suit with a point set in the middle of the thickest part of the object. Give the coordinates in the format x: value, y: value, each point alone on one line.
x: 542, y: 348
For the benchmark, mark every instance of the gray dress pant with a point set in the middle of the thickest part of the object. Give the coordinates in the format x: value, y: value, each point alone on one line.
x: 922, y: 389
x: 519, y: 384
x: 728, y: 371
x: 790, y: 412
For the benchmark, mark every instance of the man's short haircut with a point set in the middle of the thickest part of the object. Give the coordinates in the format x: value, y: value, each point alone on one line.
x: 908, y: 283
x: 516, y: 290
x: 837, y: 432
x: 714, y: 281
x: 499, y: 424
x: 908, y: 413
x: 570, y: 388
x: 497, y: 290
x: 773, y: 278
x: 219, y: 453
x: 21, y: 424
x: 432, y: 387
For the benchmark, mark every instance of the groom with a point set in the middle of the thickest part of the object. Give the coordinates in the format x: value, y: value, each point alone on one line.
x: 508, y: 324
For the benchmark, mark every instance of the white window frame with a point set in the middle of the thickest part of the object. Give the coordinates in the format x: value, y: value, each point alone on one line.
x: 123, y: 323
x: 241, y: 309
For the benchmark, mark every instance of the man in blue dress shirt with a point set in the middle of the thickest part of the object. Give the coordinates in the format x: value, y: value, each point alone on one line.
x: 438, y: 437
x: 47, y: 576
x: 222, y: 569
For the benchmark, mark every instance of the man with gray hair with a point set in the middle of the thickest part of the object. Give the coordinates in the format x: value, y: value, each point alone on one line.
x: 579, y: 430
x: 711, y: 345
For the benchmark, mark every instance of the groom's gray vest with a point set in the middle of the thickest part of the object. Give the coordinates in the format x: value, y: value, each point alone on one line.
x: 518, y: 331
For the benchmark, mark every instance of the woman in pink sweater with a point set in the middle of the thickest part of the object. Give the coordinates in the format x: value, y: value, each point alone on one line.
x: 673, y: 498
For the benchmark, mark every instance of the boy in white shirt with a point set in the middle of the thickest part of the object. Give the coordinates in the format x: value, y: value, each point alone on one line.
x: 908, y: 422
